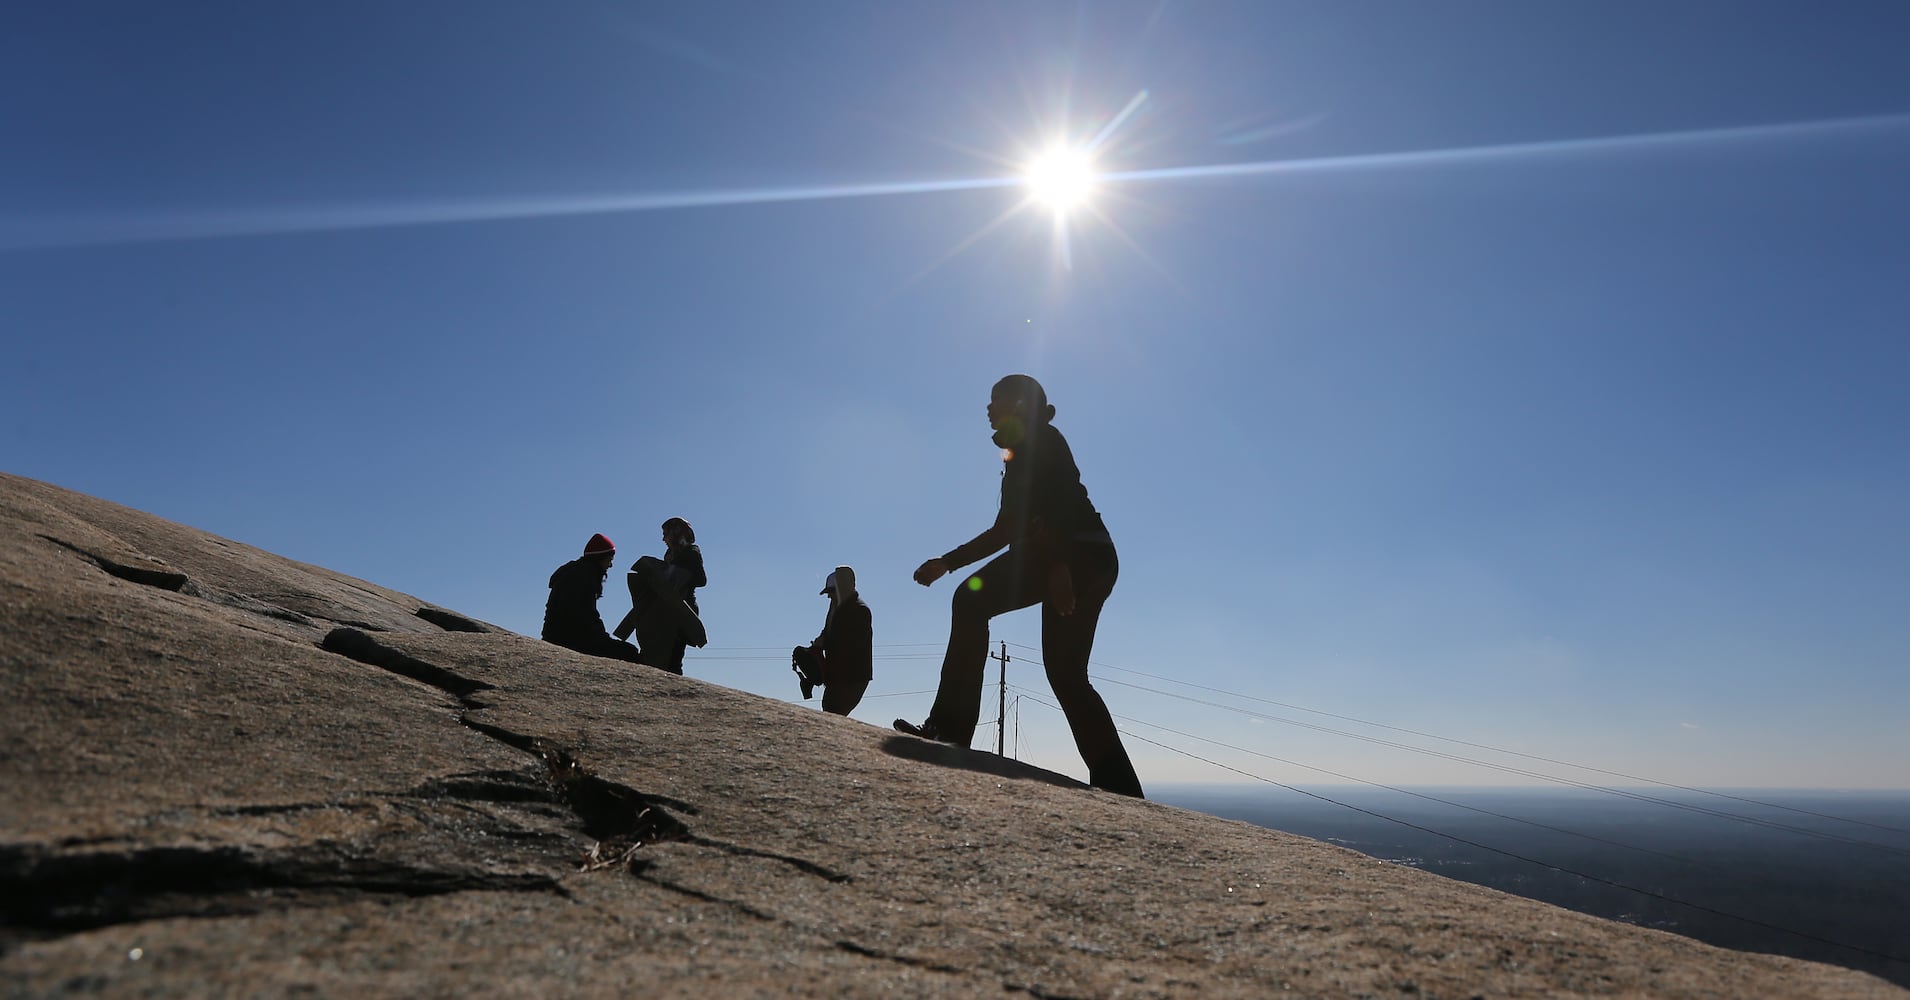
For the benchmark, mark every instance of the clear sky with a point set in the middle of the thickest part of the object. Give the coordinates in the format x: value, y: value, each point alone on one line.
x: 1586, y: 436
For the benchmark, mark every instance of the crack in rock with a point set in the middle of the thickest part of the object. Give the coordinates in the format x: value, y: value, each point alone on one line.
x: 1038, y: 992
x: 641, y: 872
x: 49, y: 892
x: 180, y: 583
x: 280, y: 809
x: 163, y: 579
x: 488, y: 786
x: 352, y: 623
x: 532, y: 745
x: 350, y: 642
x: 914, y: 963
x: 801, y: 865
x: 240, y: 602
x: 622, y: 819
x: 450, y: 621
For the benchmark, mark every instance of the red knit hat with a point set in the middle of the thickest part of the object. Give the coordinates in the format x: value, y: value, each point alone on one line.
x: 600, y: 545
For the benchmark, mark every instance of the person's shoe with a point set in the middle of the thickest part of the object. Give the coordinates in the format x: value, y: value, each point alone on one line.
x: 925, y: 731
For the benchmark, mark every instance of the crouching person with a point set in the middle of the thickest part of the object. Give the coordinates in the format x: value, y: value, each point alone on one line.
x: 570, y: 615
x: 842, y: 659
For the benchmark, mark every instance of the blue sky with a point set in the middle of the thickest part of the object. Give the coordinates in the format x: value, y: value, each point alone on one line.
x: 1590, y: 450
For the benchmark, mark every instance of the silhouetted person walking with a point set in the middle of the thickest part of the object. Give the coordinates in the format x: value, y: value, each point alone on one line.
x: 570, y: 614
x: 844, y: 654
x: 1059, y: 556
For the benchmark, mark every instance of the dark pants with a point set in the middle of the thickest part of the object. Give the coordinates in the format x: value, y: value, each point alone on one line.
x: 598, y: 645
x: 1016, y: 580
x: 842, y: 697
x: 671, y: 658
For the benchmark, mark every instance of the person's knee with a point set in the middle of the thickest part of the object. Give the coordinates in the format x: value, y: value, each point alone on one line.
x: 969, y: 604
x: 1070, y: 685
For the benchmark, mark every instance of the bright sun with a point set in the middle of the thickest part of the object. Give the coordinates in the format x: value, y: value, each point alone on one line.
x: 1061, y: 179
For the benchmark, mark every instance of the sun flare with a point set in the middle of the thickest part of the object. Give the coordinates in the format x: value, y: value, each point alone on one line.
x: 1061, y: 179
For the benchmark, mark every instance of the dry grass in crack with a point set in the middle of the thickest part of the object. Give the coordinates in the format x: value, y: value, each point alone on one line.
x: 623, y: 820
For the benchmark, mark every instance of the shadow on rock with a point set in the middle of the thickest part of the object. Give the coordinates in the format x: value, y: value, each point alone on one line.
x: 48, y: 893
x: 949, y: 755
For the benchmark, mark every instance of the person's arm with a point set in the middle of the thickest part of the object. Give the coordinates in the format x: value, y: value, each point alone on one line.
x: 693, y: 563
x: 856, y: 647
x: 986, y: 544
x: 683, y: 569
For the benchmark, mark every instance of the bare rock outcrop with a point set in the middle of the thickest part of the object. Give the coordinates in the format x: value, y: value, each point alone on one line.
x: 231, y: 773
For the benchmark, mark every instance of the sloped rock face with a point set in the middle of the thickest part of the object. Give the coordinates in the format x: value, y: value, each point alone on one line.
x: 229, y: 773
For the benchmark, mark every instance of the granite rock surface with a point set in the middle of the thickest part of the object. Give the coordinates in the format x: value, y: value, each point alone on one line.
x: 228, y: 773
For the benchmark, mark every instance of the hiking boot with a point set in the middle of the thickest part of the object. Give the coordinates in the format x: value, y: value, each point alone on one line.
x: 925, y: 731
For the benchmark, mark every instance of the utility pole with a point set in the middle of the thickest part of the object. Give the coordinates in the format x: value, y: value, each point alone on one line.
x: 1001, y: 726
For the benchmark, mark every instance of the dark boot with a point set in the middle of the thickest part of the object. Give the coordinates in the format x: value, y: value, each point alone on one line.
x: 927, y: 729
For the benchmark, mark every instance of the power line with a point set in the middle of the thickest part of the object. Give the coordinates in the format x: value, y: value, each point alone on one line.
x: 1484, y: 847
x: 1432, y: 798
x: 1483, y: 746
x: 1637, y: 796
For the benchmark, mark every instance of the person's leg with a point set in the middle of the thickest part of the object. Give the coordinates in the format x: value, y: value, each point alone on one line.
x: 656, y: 636
x: 1001, y: 586
x: 842, y: 697
x: 609, y: 648
x: 1067, y: 642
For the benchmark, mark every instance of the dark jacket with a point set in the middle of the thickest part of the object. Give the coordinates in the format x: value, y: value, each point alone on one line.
x: 686, y: 570
x: 1042, y: 499
x: 570, y: 615
x: 1045, y: 511
x: 848, y: 642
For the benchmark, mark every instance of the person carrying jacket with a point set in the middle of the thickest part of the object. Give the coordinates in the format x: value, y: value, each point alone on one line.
x: 846, y: 645
x: 570, y: 613
x: 685, y: 572
x: 663, y: 612
x: 1059, y: 556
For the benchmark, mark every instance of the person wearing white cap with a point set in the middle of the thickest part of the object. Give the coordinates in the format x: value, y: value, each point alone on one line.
x: 846, y: 647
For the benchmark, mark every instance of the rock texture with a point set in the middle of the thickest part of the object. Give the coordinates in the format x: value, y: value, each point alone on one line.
x: 231, y: 773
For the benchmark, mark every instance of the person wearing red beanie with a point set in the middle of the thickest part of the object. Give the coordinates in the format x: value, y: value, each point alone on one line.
x: 570, y: 615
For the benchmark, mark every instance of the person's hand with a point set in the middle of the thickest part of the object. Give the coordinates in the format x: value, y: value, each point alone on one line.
x: 1061, y: 589
x: 931, y: 571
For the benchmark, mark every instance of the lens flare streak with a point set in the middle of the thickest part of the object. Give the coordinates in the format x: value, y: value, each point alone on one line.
x: 316, y: 220
x: 1474, y: 154
x: 1107, y: 131
x: 344, y: 218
